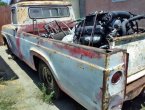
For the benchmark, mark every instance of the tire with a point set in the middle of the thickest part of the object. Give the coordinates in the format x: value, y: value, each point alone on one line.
x: 47, y: 78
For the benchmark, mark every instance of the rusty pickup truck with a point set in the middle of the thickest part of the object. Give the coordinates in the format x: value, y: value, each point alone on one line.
x: 98, y: 79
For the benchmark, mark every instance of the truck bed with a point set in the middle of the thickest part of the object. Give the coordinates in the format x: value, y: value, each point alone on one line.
x: 134, y: 44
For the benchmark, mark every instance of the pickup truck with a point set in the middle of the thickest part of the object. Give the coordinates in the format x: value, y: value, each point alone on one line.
x: 98, y: 79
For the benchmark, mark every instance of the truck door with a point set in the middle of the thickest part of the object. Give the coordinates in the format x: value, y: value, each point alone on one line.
x: 12, y: 30
x: 15, y: 33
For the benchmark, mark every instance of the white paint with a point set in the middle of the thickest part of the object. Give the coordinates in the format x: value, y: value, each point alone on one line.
x: 135, y: 76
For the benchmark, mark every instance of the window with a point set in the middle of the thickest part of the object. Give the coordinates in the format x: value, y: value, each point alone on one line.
x: 118, y: 0
x: 64, y: 12
x: 54, y: 12
x: 14, y: 16
x: 36, y: 12
x: 48, y: 12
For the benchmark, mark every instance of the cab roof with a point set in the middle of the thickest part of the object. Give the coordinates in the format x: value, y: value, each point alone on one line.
x: 39, y: 3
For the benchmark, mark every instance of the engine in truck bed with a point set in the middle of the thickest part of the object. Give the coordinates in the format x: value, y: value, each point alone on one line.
x: 99, y: 29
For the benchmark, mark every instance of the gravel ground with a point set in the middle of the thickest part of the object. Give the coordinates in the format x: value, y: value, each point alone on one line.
x: 23, y: 83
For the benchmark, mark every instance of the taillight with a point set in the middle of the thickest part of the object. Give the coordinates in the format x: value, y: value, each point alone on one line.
x: 116, y: 77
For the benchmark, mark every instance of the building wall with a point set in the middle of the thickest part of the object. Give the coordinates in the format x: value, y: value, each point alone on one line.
x: 136, y: 6
x: 5, y: 18
x: 75, y: 4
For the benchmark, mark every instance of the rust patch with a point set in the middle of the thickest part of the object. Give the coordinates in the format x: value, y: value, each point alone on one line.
x: 33, y: 29
x: 100, y: 93
x: 74, y: 51
x: 18, y: 44
x: 41, y: 41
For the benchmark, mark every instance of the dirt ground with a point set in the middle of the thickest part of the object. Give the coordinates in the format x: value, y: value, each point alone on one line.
x: 21, y: 89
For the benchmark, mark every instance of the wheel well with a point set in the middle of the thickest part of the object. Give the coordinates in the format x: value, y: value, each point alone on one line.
x: 36, y: 62
x: 4, y: 40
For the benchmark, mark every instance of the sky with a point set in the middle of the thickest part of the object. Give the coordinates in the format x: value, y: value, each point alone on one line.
x: 7, y: 1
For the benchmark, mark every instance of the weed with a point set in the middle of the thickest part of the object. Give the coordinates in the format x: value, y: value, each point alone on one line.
x: 143, y: 107
x: 46, y: 97
x: 7, y: 103
x: 2, y: 82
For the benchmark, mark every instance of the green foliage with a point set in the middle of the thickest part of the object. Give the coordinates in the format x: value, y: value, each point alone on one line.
x: 3, y: 3
x: 46, y: 97
x: 6, y: 103
x: 143, y: 107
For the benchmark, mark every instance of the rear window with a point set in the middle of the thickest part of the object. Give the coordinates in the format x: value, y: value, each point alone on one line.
x: 48, y: 12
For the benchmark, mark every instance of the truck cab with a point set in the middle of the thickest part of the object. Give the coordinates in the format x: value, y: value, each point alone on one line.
x: 33, y: 15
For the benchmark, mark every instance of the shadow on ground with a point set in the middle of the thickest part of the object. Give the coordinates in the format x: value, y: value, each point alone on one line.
x: 6, y: 73
x: 135, y: 104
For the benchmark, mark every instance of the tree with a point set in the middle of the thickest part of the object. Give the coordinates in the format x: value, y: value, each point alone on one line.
x: 3, y: 3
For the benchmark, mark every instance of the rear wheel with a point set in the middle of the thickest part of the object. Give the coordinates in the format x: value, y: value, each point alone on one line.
x: 47, y: 78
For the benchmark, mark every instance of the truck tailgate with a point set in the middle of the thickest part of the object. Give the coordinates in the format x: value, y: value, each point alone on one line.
x: 134, y: 44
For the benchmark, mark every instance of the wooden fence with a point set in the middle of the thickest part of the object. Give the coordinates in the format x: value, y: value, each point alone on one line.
x: 5, y: 18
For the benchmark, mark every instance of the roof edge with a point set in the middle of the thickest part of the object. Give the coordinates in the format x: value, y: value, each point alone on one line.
x: 27, y: 3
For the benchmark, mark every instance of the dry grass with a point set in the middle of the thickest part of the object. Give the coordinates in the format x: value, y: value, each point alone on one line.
x: 9, y: 95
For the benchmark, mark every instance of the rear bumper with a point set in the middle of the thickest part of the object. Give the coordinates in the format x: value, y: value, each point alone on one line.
x: 134, y: 89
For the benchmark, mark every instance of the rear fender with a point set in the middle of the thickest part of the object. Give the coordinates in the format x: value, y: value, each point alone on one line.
x: 41, y: 55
